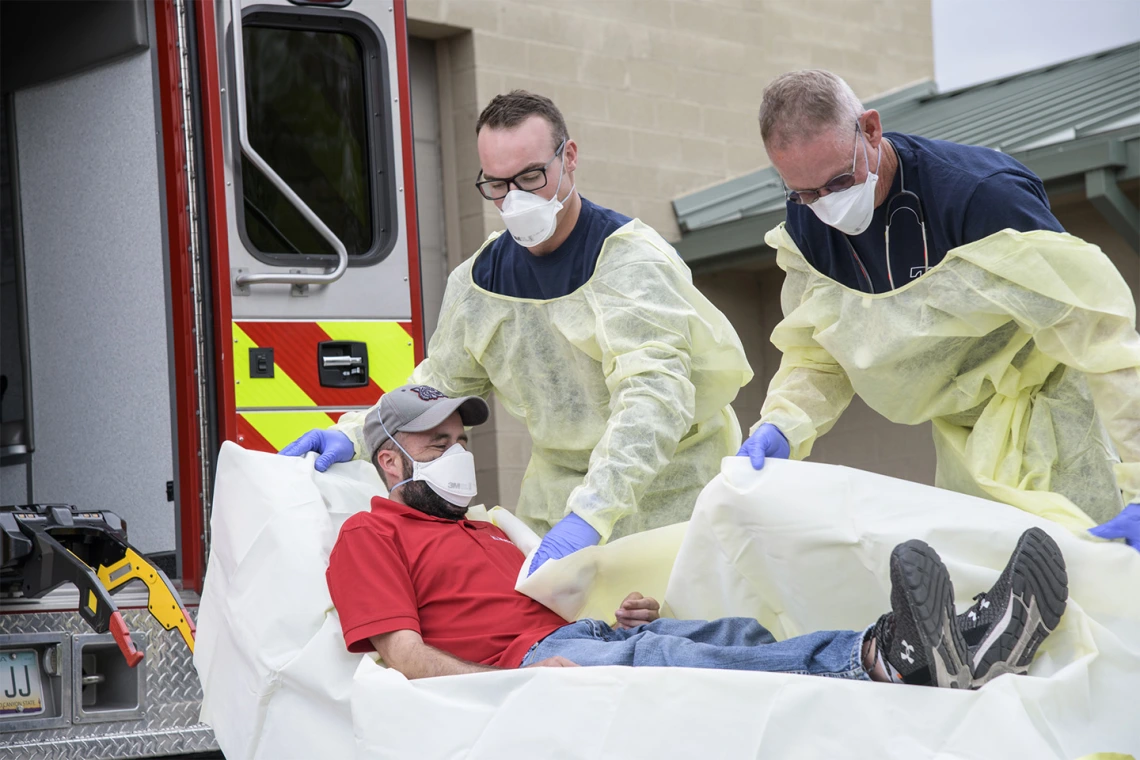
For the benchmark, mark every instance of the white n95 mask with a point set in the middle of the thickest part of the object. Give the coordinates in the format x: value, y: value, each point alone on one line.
x: 452, y: 475
x: 531, y: 219
x: 850, y: 211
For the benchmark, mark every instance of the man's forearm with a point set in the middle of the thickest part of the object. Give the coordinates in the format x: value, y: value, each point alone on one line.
x: 430, y: 662
x: 418, y: 660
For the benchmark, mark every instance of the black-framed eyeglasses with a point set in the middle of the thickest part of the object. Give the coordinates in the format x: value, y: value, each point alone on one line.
x: 834, y: 185
x: 527, y: 181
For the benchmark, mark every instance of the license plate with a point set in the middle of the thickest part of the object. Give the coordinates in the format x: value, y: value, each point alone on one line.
x: 20, y: 692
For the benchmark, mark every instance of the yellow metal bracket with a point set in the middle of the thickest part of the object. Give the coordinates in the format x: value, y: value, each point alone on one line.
x: 162, y: 601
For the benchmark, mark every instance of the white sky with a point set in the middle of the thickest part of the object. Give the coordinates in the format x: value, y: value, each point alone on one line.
x: 977, y: 40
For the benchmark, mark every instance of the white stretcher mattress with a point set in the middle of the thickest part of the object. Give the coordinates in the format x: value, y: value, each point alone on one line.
x: 799, y: 546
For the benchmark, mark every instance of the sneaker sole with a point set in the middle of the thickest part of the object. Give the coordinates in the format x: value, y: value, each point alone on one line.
x: 1039, y: 591
x: 930, y: 594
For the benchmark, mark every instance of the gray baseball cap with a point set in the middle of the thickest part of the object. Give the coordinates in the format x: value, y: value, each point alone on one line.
x: 416, y: 408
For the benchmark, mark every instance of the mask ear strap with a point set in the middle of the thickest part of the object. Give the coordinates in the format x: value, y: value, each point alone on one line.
x: 561, y: 172
x: 879, y: 162
x: 402, y: 482
x: 393, y: 438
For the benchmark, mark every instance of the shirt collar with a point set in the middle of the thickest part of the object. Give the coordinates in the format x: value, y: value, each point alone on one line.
x: 381, y: 504
x: 571, y: 244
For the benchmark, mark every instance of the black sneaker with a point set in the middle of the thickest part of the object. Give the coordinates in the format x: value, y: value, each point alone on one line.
x: 1006, y: 624
x: 919, y: 636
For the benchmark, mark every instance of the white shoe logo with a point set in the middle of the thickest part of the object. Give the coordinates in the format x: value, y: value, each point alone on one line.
x: 907, y: 650
x: 983, y: 604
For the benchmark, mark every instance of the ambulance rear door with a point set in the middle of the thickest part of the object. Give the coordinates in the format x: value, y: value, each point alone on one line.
x: 324, y: 291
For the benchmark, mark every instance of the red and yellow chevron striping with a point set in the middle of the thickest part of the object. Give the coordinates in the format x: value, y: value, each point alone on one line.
x: 273, y: 411
x: 273, y: 431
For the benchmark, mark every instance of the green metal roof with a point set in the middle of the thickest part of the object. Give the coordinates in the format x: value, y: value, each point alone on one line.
x: 1061, y: 121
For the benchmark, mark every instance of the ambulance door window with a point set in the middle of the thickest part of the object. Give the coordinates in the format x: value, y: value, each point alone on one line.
x: 315, y: 93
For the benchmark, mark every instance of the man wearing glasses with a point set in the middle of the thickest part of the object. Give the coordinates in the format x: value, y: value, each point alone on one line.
x: 587, y: 326
x: 932, y: 279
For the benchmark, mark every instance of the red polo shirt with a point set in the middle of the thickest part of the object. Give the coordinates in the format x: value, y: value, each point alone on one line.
x: 451, y: 581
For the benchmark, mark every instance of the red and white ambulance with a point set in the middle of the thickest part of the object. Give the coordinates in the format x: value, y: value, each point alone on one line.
x: 209, y: 234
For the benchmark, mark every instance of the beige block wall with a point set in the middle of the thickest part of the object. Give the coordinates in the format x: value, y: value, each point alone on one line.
x: 661, y: 96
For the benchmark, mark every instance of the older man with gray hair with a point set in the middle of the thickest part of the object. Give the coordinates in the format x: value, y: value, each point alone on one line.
x: 932, y: 279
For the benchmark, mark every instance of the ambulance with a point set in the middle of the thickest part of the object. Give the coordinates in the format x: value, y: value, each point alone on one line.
x: 208, y: 234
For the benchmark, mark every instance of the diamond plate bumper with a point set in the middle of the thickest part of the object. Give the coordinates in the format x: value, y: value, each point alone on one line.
x: 169, y: 720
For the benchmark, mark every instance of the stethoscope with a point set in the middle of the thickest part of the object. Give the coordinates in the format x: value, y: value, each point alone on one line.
x: 903, y: 192
x: 891, y: 211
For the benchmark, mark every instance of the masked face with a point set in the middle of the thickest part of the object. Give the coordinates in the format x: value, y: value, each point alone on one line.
x: 450, y: 477
x: 530, y: 218
x: 850, y: 211
x: 419, y: 495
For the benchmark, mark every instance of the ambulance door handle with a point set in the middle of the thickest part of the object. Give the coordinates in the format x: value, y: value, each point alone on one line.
x: 341, y: 361
x: 242, y: 279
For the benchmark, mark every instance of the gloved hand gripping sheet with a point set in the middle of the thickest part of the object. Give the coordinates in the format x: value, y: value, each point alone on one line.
x: 800, y: 546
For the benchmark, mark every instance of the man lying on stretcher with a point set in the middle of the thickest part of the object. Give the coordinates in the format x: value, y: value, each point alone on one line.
x: 434, y: 593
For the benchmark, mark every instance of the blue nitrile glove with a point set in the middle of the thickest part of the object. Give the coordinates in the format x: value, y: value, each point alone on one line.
x: 1125, y: 525
x: 570, y: 534
x: 332, y: 445
x: 767, y: 441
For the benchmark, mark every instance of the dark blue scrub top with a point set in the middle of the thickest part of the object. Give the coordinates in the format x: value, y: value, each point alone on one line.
x: 506, y: 268
x: 966, y: 192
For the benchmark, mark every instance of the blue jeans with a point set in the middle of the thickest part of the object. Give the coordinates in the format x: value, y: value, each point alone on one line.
x: 726, y: 644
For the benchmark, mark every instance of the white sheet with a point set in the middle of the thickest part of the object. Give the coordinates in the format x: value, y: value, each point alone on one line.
x: 799, y: 545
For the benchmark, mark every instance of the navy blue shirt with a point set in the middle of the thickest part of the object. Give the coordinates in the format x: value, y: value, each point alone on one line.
x: 506, y: 268
x: 966, y: 193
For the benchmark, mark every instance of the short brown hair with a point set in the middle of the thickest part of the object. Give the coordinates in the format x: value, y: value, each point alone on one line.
x: 806, y: 103
x: 512, y: 109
